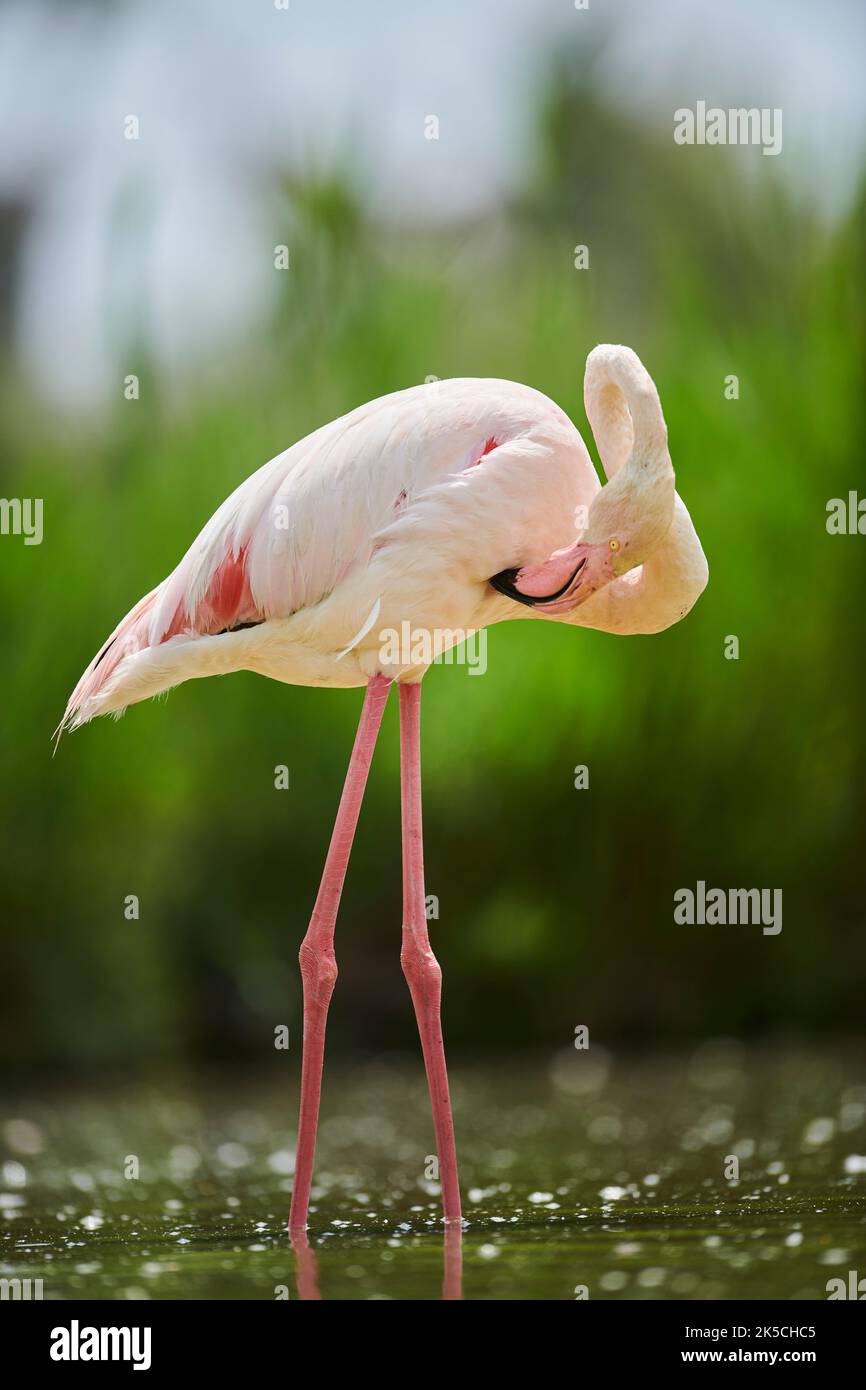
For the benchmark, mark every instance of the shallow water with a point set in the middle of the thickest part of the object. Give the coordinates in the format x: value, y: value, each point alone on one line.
x: 580, y: 1171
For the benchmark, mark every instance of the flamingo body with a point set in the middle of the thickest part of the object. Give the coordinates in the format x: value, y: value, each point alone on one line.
x: 447, y: 507
x: 406, y: 507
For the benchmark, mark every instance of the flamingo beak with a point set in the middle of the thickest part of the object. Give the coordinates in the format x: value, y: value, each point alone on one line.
x: 561, y: 583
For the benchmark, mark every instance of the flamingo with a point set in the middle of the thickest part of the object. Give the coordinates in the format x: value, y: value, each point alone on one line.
x: 452, y: 505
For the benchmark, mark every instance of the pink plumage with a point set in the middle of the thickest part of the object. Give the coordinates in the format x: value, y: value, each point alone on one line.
x: 412, y: 502
x: 450, y: 507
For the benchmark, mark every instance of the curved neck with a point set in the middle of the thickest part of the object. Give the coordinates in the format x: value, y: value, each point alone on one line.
x: 625, y: 414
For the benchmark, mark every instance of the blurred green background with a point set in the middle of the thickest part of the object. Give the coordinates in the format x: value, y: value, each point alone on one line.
x: 556, y: 905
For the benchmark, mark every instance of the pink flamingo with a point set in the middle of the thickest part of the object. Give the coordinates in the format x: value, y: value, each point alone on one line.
x: 449, y: 506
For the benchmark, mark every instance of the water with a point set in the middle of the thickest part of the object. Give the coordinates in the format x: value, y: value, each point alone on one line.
x: 579, y: 1172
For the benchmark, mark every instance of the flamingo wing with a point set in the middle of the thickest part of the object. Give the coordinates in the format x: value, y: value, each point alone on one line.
x: 294, y: 531
x: 290, y: 533
x: 282, y: 541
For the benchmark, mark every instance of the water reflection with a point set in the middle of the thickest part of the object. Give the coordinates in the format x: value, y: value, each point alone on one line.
x: 720, y: 1174
x: 307, y: 1265
x: 452, y: 1279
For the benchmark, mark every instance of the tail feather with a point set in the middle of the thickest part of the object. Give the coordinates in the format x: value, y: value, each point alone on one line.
x: 92, y: 694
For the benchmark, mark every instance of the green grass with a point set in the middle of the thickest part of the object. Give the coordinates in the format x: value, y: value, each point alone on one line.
x: 556, y: 905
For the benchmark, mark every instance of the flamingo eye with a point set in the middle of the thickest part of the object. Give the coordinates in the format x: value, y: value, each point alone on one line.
x: 613, y: 543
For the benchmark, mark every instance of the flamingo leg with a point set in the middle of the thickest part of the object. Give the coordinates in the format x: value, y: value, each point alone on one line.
x: 420, y: 966
x: 318, y: 965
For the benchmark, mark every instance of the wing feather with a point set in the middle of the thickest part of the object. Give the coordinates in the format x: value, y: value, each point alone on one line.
x: 292, y: 532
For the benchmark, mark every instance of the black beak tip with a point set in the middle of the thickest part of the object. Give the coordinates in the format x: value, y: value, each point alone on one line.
x: 505, y: 582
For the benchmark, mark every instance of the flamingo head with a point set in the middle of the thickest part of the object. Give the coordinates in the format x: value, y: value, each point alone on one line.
x: 629, y: 517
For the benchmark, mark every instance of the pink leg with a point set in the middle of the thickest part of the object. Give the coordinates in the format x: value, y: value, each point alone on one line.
x: 307, y: 1267
x: 419, y: 963
x: 318, y: 966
